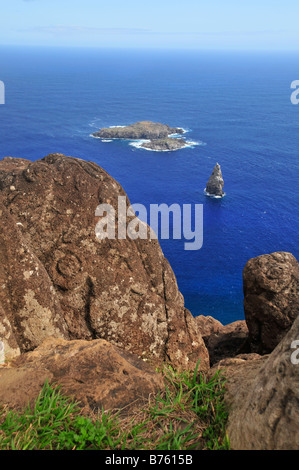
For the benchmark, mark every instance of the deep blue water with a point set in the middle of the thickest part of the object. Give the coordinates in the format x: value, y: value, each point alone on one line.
x: 238, y: 104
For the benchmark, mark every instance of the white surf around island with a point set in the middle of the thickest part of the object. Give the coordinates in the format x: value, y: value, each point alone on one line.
x: 115, y: 127
x: 139, y: 145
x: 213, y: 195
x: 185, y: 131
x: 106, y: 140
x: 95, y: 137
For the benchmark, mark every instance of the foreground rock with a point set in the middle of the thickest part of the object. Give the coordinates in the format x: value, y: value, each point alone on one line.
x: 238, y: 371
x: 95, y: 373
x: 223, y: 341
x: 264, y: 401
x: 215, y: 183
x: 139, y: 130
x: 58, y: 279
x: 271, y: 299
x: 165, y: 145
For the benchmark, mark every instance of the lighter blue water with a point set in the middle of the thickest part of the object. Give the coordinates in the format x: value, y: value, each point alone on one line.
x: 238, y: 105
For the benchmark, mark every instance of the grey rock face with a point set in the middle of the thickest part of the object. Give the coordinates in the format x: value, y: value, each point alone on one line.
x: 215, y: 183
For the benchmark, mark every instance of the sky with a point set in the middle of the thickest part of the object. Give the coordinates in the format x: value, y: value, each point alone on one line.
x: 170, y: 24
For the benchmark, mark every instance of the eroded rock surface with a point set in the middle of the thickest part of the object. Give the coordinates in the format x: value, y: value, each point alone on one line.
x: 58, y: 279
x: 264, y: 399
x: 94, y: 373
x: 271, y: 298
x: 29, y: 308
x: 223, y: 341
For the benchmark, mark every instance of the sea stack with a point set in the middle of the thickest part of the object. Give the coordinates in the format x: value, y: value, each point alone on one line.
x: 215, y: 183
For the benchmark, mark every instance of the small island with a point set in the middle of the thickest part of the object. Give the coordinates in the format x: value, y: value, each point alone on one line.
x: 139, y: 130
x: 164, y: 145
x: 158, y: 137
x: 215, y: 184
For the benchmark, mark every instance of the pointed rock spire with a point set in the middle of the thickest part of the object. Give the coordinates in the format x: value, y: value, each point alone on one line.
x: 215, y: 183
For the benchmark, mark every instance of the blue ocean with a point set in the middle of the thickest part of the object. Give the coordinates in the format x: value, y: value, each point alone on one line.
x: 237, y: 111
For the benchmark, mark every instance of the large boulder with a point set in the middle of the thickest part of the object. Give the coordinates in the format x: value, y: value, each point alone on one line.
x: 94, y: 373
x: 264, y: 399
x: 59, y: 279
x: 271, y: 299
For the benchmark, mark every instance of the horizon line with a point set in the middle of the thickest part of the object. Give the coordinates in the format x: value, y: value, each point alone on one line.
x: 149, y: 48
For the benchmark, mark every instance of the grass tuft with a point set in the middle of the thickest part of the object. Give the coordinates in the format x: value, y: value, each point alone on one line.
x: 189, y: 414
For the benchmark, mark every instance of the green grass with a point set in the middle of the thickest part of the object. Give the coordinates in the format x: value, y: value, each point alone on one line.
x: 189, y: 414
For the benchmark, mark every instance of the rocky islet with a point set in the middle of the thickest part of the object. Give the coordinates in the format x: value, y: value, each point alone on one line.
x: 157, y: 137
x: 215, y: 184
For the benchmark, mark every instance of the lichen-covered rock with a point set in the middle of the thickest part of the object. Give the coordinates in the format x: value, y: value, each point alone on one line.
x: 271, y: 298
x: 264, y: 399
x: 94, y: 373
x: 29, y: 308
x: 59, y: 279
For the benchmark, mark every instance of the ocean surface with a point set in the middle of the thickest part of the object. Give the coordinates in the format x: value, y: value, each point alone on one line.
x: 236, y: 108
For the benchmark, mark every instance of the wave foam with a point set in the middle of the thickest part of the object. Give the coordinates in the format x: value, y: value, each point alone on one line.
x: 94, y: 136
x: 213, y: 195
x: 188, y: 144
x: 194, y: 143
x: 178, y: 134
x: 138, y: 144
